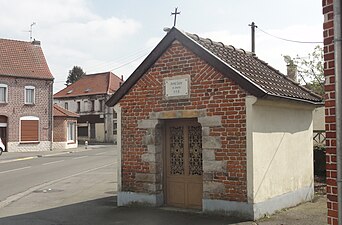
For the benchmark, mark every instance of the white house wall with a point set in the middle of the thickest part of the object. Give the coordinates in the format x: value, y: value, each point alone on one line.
x: 319, y: 118
x: 280, y: 154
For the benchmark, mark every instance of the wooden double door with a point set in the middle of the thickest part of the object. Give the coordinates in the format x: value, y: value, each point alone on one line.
x: 183, y: 167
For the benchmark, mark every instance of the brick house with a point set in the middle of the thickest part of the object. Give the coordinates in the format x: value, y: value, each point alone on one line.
x: 25, y: 96
x: 208, y: 126
x: 64, y: 128
x: 87, y: 97
x: 330, y: 110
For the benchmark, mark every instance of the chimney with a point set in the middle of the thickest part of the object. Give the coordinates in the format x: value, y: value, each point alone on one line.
x: 35, y: 42
x: 292, y: 71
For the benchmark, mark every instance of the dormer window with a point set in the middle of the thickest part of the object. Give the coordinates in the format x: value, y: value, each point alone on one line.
x: 3, y: 93
x: 70, y: 91
x: 29, y: 95
x: 87, y: 90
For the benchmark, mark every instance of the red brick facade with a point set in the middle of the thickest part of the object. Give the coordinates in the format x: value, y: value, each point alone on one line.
x: 15, y: 108
x: 330, y: 119
x: 222, y: 97
x: 59, y: 129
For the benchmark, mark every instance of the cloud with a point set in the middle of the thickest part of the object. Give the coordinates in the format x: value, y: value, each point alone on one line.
x: 71, y: 34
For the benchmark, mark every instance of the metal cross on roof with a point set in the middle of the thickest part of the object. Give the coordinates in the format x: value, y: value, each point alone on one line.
x: 175, y: 13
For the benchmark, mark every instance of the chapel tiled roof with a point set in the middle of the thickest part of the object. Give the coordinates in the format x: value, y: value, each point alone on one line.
x: 61, y: 112
x: 270, y: 80
x: 23, y: 59
x: 92, y: 84
x: 252, y: 74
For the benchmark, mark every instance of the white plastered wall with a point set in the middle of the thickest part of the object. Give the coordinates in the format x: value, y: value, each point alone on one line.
x: 279, y: 149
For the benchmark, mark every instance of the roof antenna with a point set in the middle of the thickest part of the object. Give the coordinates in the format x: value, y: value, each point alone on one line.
x: 34, y: 23
x: 175, y: 14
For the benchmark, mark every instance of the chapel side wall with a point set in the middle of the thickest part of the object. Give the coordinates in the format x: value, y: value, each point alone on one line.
x: 283, y: 152
x: 224, y: 165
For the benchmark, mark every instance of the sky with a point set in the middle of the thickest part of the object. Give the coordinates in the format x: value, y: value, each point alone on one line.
x: 113, y: 35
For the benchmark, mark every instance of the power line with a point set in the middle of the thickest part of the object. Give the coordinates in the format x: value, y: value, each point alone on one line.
x: 289, y: 40
x: 125, y: 64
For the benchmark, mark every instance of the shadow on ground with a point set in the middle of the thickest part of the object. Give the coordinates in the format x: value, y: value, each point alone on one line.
x: 104, y: 212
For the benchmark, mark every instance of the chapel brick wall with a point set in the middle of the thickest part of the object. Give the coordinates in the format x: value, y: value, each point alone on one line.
x: 209, y: 91
x: 15, y: 108
x: 330, y: 116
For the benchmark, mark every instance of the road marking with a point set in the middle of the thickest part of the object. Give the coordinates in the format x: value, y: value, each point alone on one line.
x: 101, y: 153
x: 18, y: 196
x: 19, y: 159
x: 53, y: 162
x: 81, y: 157
x: 22, y: 168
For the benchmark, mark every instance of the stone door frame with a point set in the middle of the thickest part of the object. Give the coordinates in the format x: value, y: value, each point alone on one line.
x: 154, y: 141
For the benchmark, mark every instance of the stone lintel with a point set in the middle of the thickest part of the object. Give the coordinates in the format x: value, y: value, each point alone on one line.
x: 178, y: 114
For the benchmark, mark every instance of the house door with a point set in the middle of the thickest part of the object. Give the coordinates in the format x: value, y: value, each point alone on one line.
x: 3, y: 130
x: 184, y: 185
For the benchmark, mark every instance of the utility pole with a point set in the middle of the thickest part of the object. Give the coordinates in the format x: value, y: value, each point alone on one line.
x: 253, y: 26
x: 175, y: 14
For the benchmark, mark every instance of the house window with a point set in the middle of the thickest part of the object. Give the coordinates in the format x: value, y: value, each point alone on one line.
x: 78, y: 107
x: 101, y: 105
x: 66, y: 105
x: 115, y: 127
x: 92, y: 106
x: 82, y: 131
x: 29, y: 95
x: 3, y: 93
x: 29, y: 129
x: 71, y: 131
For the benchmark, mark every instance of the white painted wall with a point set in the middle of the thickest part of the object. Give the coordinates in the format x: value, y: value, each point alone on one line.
x: 279, y: 148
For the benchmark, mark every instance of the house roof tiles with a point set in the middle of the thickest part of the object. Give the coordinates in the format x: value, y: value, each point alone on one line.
x: 23, y: 59
x: 92, y: 84
x: 61, y: 112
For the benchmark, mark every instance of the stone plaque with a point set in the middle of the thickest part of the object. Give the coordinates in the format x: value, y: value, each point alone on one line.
x: 176, y: 87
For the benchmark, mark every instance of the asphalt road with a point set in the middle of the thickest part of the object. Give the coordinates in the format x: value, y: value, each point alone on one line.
x: 80, y: 189
x: 19, y: 175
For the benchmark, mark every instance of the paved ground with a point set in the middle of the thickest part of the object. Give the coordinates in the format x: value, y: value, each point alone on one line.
x: 89, y: 198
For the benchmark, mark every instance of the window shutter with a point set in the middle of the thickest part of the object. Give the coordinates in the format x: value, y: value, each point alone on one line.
x: 29, y: 130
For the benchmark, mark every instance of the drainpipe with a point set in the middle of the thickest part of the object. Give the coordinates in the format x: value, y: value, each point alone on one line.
x: 338, y: 98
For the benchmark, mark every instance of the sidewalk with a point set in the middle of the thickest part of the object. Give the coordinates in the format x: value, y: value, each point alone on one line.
x: 16, y: 156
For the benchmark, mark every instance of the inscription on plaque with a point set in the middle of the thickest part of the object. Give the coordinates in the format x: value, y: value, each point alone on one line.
x: 177, y: 87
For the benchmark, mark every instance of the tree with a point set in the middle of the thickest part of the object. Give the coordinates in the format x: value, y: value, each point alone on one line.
x: 74, y: 74
x: 310, y: 69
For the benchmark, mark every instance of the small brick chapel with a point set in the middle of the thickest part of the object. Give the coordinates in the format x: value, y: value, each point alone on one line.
x: 208, y: 126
